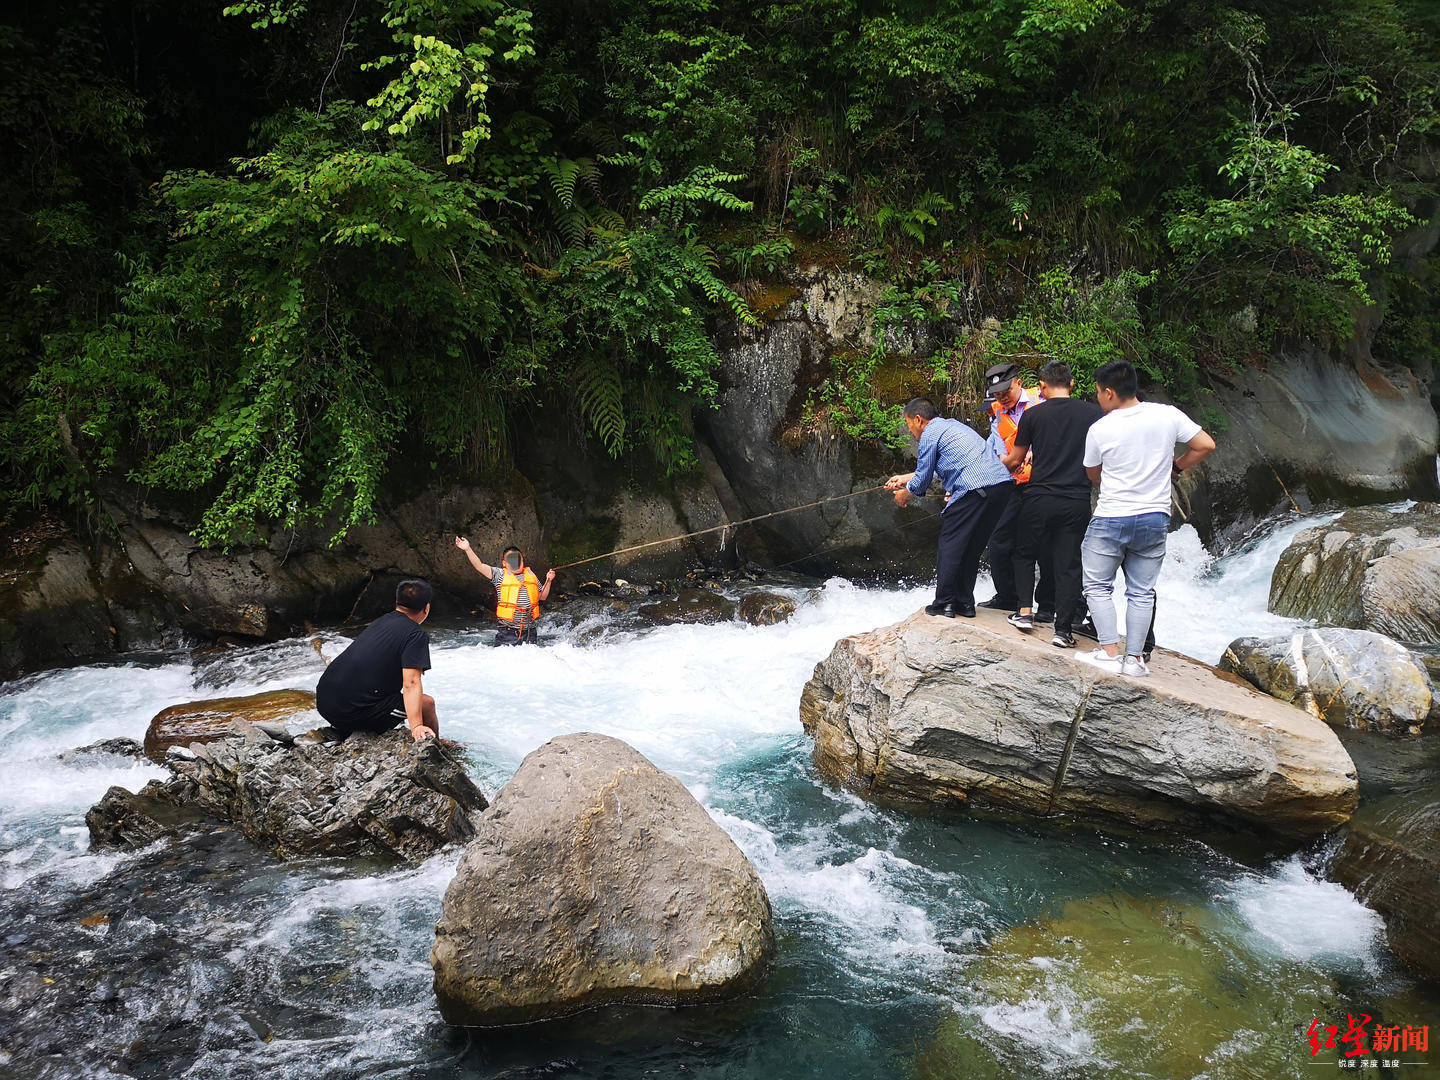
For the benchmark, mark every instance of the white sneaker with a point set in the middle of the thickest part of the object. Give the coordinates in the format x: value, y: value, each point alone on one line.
x: 1101, y: 659
x: 1134, y: 667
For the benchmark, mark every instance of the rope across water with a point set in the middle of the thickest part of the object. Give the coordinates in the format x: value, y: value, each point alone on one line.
x: 720, y: 528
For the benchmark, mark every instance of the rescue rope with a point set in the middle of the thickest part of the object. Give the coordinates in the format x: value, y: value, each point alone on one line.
x: 723, y: 529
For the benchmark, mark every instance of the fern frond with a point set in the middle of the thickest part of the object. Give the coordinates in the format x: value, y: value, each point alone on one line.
x: 600, y: 395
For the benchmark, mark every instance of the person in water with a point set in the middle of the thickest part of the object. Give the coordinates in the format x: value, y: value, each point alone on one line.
x: 518, y: 592
x: 1130, y: 455
x: 977, y: 490
x: 375, y: 683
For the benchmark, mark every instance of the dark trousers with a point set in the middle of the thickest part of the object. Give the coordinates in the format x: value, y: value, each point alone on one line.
x: 1002, y: 561
x: 1050, y: 530
x: 510, y: 634
x: 965, y: 528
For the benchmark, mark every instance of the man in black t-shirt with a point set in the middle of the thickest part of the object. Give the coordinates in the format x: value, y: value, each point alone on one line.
x: 375, y: 683
x: 1055, y: 504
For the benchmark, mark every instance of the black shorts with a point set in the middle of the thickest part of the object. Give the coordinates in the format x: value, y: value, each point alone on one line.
x: 382, y: 716
x: 516, y: 635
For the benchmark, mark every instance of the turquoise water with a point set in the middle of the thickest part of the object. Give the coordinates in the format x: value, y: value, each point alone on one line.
x: 908, y: 947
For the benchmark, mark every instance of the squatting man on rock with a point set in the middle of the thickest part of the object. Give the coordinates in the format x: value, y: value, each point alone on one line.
x: 375, y: 683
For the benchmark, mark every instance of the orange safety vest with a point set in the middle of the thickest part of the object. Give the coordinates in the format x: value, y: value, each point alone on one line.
x: 1008, y: 428
x: 509, y: 594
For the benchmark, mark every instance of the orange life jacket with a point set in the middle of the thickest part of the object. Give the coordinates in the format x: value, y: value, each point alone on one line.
x: 1006, y: 425
x: 509, y: 594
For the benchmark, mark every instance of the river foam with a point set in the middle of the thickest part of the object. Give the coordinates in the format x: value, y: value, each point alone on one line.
x: 884, y: 918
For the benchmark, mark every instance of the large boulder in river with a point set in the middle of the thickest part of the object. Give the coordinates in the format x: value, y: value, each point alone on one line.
x: 220, y: 718
x: 307, y: 795
x: 1348, y: 678
x: 1391, y: 861
x: 1369, y: 569
x: 971, y: 714
x: 595, y: 878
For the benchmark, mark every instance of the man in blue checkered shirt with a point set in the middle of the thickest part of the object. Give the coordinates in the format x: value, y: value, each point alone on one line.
x: 977, y: 490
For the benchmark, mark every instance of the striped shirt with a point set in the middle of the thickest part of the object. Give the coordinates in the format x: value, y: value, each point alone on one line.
x: 522, y: 602
x: 960, y: 457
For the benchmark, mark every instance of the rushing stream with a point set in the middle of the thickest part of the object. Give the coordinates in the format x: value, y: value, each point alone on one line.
x: 908, y: 947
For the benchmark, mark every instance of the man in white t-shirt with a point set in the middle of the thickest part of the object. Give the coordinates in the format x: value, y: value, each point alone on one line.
x: 1130, y: 453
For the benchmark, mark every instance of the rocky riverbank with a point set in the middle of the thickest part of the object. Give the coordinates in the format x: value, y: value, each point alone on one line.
x: 1304, y: 428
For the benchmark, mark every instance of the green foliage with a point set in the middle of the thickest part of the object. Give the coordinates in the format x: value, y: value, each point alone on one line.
x: 264, y: 258
x: 437, y: 72
x: 1279, y: 211
x: 1086, y: 325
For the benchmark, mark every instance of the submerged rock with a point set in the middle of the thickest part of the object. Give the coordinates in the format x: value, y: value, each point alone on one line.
x: 367, y: 795
x: 1391, y: 861
x: 972, y: 715
x: 596, y: 879
x: 124, y: 820
x: 221, y: 718
x: 690, y: 606
x: 766, y: 608
x: 104, y: 748
x: 1348, y: 678
x: 1123, y: 985
x: 1369, y: 569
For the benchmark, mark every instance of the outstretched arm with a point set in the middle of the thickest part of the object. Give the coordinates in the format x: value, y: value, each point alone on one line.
x: 481, y: 568
x: 545, y: 589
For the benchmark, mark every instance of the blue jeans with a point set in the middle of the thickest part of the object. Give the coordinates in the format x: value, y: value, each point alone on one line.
x: 1138, y: 545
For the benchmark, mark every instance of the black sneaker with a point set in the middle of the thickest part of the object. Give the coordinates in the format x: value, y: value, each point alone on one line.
x: 1086, y: 629
x: 938, y: 609
x: 1045, y: 615
x: 1063, y: 639
x: 965, y: 611
x: 1022, y: 622
x: 995, y: 604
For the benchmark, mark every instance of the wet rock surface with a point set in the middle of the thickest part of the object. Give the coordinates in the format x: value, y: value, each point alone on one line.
x: 596, y: 879
x: 690, y: 606
x: 766, y: 608
x: 199, y: 722
x: 125, y: 748
x: 1369, y: 569
x: 970, y: 714
x: 1391, y: 860
x: 1317, y: 427
x: 1348, y: 678
x: 162, y: 968
x: 307, y: 795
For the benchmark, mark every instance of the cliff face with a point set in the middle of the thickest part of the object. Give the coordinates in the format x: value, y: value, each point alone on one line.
x: 1309, y: 425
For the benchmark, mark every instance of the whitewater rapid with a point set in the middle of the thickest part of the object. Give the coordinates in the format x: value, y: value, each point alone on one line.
x: 878, y: 914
